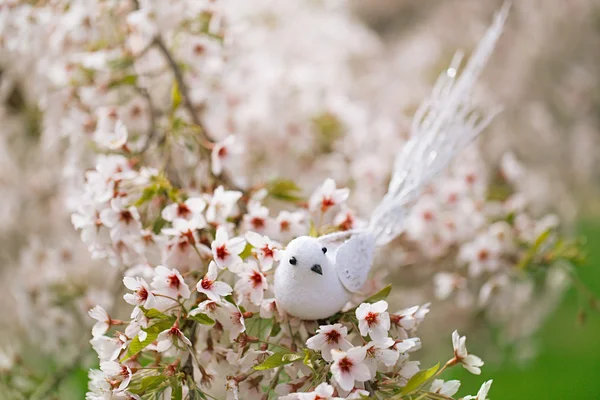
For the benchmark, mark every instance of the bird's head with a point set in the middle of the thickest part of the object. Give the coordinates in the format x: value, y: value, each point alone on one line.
x: 306, y: 254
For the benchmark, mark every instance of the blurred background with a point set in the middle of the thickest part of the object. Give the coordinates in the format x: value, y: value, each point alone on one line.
x: 545, y: 74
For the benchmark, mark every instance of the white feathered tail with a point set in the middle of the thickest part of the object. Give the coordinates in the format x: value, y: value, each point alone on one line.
x: 445, y: 123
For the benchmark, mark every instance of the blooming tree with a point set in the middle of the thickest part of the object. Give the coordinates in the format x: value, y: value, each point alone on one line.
x: 183, y: 123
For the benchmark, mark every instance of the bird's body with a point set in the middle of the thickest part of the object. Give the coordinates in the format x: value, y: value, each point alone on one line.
x: 309, y: 297
x: 307, y: 292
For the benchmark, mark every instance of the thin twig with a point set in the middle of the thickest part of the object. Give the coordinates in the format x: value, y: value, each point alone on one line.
x: 274, y: 382
x: 183, y: 89
x: 152, y: 119
x: 187, y: 102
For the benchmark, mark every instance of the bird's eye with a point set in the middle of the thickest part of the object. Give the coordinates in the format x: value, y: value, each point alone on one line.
x: 324, y: 250
x: 293, y: 261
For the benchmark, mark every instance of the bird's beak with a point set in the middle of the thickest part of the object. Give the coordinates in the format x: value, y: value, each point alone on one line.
x: 317, y: 268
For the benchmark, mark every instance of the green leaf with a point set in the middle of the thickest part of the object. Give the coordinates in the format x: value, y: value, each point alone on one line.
x: 154, y: 313
x: 381, y: 295
x: 147, y: 384
x: 158, y: 225
x: 308, y: 359
x: 284, y: 189
x: 278, y: 359
x: 230, y: 299
x: 275, y: 329
x: 247, y: 252
x: 328, y: 129
x: 160, y: 326
x: 176, y: 97
x: 121, y: 62
x: 527, y: 259
x: 136, y: 346
x: 147, y: 194
x: 419, y: 379
x: 177, y: 393
x: 123, y: 81
x: 202, y: 319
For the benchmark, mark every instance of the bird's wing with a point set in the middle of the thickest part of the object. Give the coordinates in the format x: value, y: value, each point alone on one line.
x: 444, y: 125
x: 353, y: 260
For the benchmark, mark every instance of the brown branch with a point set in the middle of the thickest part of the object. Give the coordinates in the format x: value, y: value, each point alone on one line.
x: 152, y: 119
x: 183, y: 89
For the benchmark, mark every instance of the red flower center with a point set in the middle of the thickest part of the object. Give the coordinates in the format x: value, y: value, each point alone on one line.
x: 257, y: 222
x: 175, y: 332
x: 267, y: 251
x: 372, y: 318
x: 136, y: 111
x: 206, y: 283
x: 428, y: 216
x: 222, y: 252
x: 326, y: 203
x: 236, y: 318
x: 345, y: 364
x: 126, y: 216
x: 483, y: 255
x: 284, y: 226
x: 256, y: 279
x: 198, y: 49
x: 142, y: 293
x: 174, y: 281
x: 222, y: 152
x: 183, y: 211
x: 332, y: 337
x: 347, y: 223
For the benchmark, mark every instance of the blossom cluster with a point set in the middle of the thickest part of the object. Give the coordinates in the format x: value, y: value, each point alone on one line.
x: 176, y: 132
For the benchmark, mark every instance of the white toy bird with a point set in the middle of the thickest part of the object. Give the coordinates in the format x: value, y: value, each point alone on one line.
x: 315, y: 277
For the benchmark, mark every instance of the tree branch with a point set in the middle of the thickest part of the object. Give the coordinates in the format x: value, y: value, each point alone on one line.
x: 183, y: 89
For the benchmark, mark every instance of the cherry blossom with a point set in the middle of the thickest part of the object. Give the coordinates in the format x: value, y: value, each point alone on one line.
x: 104, y: 322
x: 327, y: 196
x: 290, y: 224
x: 482, y: 393
x: 122, y: 221
x: 187, y: 229
x: 189, y: 209
x: 329, y: 337
x: 257, y: 218
x: 349, y: 366
x: 266, y: 250
x: 232, y: 319
x: 448, y: 388
x: 142, y: 294
x: 323, y: 391
x: 209, y: 285
x: 481, y: 255
x: 172, y: 336
x: 381, y: 353
x: 114, y: 370
x: 113, y: 137
x: 107, y: 348
x: 221, y: 205
x: 170, y: 282
x: 222, y: 152
x: 225, y: 251
x: 252, y: 283
x: 374, y: 320
x: 470, y: 362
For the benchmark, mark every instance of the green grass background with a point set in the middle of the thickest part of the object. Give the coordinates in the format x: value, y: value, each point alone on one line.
x: 568, y: 363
